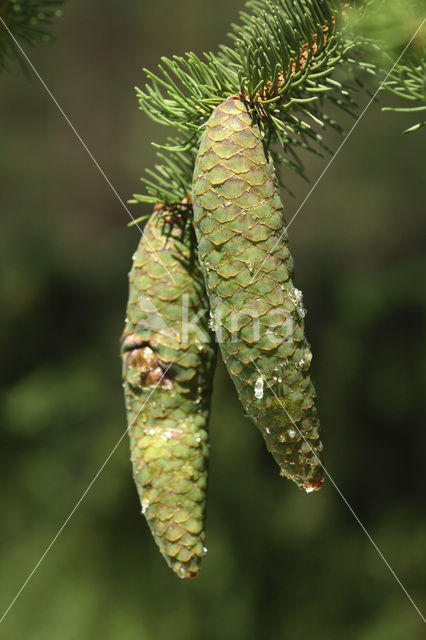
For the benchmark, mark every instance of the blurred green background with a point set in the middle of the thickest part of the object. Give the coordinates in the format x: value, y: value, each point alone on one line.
x: 281, y: 564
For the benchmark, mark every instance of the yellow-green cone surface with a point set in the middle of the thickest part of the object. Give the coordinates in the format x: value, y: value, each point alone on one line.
x: 168, y: 364
x: 257, y: 312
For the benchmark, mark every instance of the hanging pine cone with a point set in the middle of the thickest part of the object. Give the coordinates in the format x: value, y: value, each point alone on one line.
x: 168, y: 368
x: 248, y: 270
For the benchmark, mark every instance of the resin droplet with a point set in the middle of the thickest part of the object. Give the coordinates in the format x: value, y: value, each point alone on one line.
x: 258, y: 388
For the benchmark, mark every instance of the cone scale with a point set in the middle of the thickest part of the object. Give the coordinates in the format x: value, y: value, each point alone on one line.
x: 257, y: 312
x: 168, y: 366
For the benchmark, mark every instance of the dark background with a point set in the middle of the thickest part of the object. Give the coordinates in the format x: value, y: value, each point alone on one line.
x: 281, y: 564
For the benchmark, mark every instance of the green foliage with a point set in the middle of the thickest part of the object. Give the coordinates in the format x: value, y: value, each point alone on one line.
x: 170, y: 180
x: 27, y: 20
x: 268, y: 42
x: 408, y: 81
x: 389, y: 27
x: 281, y: 60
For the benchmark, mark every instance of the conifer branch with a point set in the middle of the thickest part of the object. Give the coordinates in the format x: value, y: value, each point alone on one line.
x: 387, y: 27
x: 281, y: 60
x: 28, y: 21
x: 170, y: 181
x: 408, y: 81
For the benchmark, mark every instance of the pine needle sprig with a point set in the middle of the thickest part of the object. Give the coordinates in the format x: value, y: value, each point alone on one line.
x: 408, y: 81
x: 170, y: 180
x: 285, y: 39
x: 28, y: 21
x: 280, y: 52
x: 281, y: 60
x: 387, y: 27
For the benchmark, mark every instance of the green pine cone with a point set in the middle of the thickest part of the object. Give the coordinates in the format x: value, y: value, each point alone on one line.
x: 168, y: 423
x: 256, y: 311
